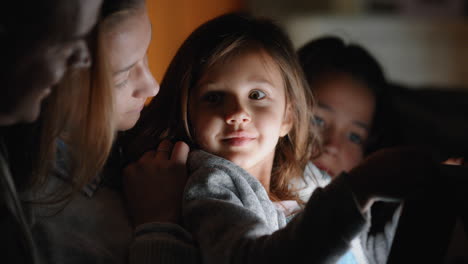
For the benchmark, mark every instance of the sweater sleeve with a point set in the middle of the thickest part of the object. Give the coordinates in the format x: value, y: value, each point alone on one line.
x: 162, y: 243
x: 377, y: 244
x: 323, y: 232
x: 228, y: 232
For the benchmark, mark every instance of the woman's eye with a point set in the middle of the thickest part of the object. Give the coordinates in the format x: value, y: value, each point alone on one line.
x: 121, y: 84
x: 318, y: 121
x: 212, y: 98
x: 257, y: 95
x: 355, y: 138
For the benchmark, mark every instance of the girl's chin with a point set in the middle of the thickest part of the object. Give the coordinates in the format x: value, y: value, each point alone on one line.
x: 238, y: 159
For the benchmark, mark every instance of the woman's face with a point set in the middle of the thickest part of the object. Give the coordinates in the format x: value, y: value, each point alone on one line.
x: 133, y: 82
x: 32, y: 74
x: 344, y: 116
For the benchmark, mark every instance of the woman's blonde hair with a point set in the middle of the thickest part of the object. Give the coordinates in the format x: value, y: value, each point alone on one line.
x: 221, y: 39
x: 85, y: 126
x: 80, y: 112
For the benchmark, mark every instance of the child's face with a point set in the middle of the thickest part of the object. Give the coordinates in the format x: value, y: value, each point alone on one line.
x: 238, y: 111
x: 132, y: 80
x: 344, y: 115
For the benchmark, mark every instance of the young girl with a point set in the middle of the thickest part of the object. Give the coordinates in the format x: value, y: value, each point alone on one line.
x: 353, y: 115
x: 235, y: 90
x: 349, y: 86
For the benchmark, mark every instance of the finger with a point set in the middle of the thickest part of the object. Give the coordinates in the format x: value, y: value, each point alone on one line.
x: 148, y: 156
x: 455, y: 161
x: 128, y: 173
x: 180, y: 153
x: 127, y: 170
x: 164, y: 150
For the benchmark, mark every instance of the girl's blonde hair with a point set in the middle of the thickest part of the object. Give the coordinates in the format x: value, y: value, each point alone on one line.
x: 217, y: 40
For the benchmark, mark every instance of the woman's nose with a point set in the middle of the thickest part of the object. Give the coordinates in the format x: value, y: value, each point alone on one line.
x: 147, y: 85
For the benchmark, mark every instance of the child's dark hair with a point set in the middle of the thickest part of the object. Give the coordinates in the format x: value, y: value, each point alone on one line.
x: 330, y: 55
x: 217, y: 40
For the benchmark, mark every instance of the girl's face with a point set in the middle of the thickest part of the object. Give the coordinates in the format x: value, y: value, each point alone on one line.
x: 238, y: 111
x: 344, y: 115
x: 133, y: 82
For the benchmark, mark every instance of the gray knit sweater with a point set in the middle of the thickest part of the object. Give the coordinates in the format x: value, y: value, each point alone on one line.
x: 233, y: 220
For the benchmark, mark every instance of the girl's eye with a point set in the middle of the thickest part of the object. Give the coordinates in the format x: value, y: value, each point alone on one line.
x: 212, y: 98
x: 257, y: 95
x: 318, y: 121
x: 355, y: 138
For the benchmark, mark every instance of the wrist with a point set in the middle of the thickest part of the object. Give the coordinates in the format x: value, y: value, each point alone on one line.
x: 168, y: 217
x: 363, y: 196
x: 364, y: 202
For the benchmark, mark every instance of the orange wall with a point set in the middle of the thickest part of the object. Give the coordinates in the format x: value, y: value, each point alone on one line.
x: 174, y: 20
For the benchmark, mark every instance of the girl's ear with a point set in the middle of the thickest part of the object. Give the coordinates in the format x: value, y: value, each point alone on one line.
x: 287, y: 121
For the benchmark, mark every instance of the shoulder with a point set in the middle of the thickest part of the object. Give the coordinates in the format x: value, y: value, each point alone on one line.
x: 210, y: 169
x: 215, y: 177
x: 311, y: 180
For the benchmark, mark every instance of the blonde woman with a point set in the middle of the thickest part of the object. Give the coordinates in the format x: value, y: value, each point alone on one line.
x: 79, y: 214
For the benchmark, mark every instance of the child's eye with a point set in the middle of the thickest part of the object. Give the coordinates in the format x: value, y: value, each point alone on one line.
x: 318, y: 121
x: 355, y: 138
x: 257, y: 95
x: 212, y: 97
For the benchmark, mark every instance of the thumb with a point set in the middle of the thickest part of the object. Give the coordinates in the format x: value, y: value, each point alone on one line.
x: 180, y: 153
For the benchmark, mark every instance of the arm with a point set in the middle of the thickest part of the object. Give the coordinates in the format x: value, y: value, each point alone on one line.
x: 228, y: 230
x: 153, y: 188
x: 377, y: 243
x: 375, y: 240
x: 17, y: 239
x: 392, y: 175
x: 162, y: 243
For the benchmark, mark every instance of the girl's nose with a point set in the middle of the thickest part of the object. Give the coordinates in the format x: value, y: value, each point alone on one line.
x: 237, y: 115
x: 332, y: 143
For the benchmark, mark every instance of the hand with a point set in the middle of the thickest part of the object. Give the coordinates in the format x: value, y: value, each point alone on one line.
x: 391, y: 174
x: 154, y: 185
x: 459, y: 161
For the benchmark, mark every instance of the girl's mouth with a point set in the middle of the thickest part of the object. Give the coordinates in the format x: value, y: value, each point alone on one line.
x: 238, y: 141
x: 324, y: 169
